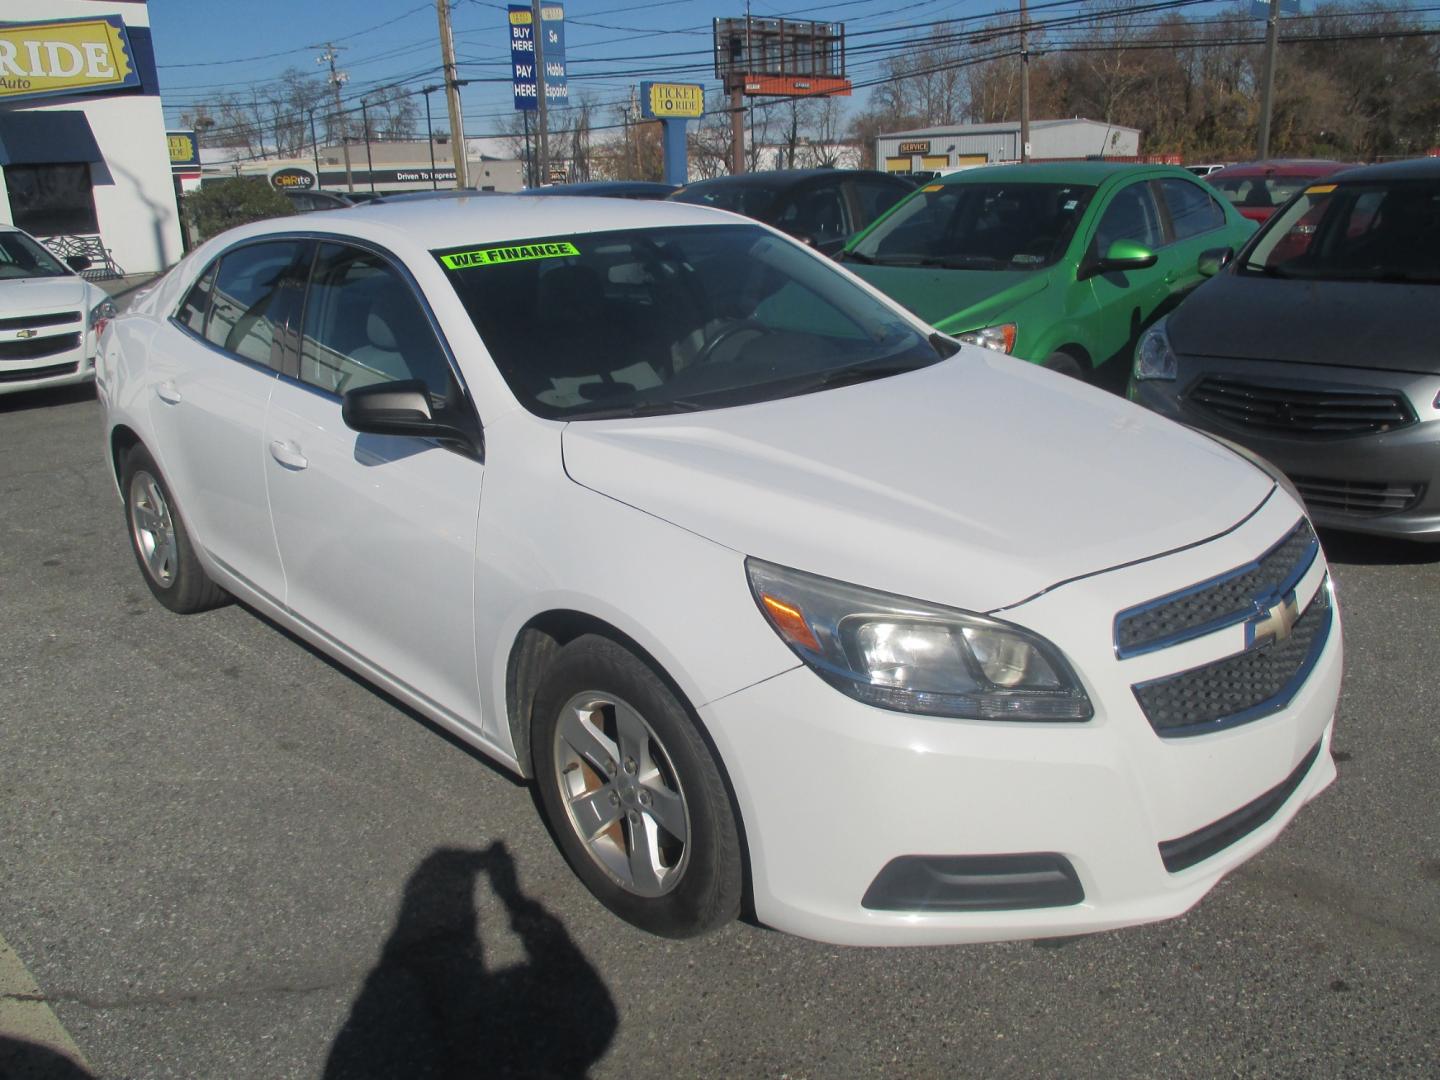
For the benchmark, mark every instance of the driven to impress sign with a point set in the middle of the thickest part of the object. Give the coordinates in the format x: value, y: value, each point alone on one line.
x: 660, y: 101
x: 76, y: 56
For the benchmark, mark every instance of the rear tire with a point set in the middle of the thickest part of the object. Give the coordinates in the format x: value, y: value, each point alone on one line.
x: 160, y: 541
x: 633, y: 793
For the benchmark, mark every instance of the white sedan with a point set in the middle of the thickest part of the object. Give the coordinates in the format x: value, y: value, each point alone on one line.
x: 50, y: 317
x: 776, y: 594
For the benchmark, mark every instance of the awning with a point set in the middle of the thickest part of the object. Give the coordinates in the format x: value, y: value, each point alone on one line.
x: 46, y: 138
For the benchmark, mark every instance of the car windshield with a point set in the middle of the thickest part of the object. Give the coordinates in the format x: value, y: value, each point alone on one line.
x: 21, y: 257
x: 1379, y: 231
x: 750, y: 199
x: 1259, y: 192
x: 977, y: 226
x: 674, y: 319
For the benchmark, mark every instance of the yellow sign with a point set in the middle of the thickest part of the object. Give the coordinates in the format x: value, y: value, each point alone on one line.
x: 74, y: 56
x: 182, y: 148
x: 1320, y: 189
x: 463, y: 260
x: 675, y: 99
x: 519, y: 18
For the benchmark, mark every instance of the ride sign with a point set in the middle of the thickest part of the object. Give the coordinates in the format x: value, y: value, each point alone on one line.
x: 660, y: 101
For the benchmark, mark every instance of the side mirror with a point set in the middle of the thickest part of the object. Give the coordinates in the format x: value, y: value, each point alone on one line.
x: 404, y: 408
x: 1124, y: 255
x: 78, y: 263
x: 1214, y: 260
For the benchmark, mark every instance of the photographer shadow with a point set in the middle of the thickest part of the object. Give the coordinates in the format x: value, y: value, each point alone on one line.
x: 430, y: 1008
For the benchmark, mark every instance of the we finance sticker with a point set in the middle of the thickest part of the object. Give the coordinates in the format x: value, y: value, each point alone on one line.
x: 464, y: 260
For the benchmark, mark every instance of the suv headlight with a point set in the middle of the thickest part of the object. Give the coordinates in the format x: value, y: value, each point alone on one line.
x: 1000, y: 338
x: 1154, y: 359
x: 911, y: 656
x: 101, y: 314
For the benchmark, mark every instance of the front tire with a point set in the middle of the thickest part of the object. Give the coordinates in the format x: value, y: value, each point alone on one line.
x: 160, y: 541
x: 1064, y: 364
x: 633, y: 792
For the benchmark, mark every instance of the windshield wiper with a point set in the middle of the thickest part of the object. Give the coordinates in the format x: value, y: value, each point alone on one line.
x: 831, y: 380
x: 855, y: 256
x: 637, y: 408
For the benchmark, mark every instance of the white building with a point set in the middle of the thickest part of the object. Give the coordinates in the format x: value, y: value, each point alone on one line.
x: 934, y: 148
x: 83, y: 150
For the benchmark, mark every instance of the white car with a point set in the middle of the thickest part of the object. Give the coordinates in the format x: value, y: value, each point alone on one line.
x: 773, y: 591
x: 50, y: 318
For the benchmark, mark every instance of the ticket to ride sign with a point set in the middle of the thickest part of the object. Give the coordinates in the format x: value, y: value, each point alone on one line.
x: 73, y: 56
x: 661, y: 101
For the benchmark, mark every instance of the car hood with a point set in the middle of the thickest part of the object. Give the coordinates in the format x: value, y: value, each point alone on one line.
x: 976, y: 482
x: 952, y: 300
x: 19, y: 296
x: 1377, y: 325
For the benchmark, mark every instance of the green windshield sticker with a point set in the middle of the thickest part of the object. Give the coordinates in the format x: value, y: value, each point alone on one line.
x: 464, y: 260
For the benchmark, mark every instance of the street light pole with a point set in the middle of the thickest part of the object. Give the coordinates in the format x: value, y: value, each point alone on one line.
x: 369, y: 161
x: 541, y: 104
x: 1272, y: 40
x: 1024, y: 87
x: 430, y: 133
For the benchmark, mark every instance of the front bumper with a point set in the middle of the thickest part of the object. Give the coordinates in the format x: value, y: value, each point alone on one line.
x: 61, y: 368
x: 832, y: 791
x: 1384, y: 484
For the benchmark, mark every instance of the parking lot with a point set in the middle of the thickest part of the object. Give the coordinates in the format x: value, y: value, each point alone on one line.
x: 222, y: 856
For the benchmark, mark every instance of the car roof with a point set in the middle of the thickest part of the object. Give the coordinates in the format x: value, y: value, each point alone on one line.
x: 779, y: 178
x: 605, y: 187
x: 1281, y: 167
x: 1426, y: 168
x: 1056, y: 172
x: 483, y: 219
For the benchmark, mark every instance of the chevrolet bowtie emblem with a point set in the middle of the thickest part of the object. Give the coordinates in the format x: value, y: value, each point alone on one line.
x: 1273, y: 624
x: 26, y: 333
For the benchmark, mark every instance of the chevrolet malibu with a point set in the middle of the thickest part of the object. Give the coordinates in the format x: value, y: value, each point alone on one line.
x: 778, y: 596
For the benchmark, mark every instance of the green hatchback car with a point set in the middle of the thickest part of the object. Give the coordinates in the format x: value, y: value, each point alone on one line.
x: 1064, y: 264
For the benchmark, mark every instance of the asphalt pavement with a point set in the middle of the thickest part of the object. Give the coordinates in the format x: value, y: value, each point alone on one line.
x: 222, y: 856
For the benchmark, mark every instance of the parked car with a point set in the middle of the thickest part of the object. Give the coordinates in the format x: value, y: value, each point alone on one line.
x: 607, y: 189
x: 306, y: 201
x: 821, y: 207
x: 772, y: 593
x: 1060, y: 264
x: 431, y: 194
x: 50, y: 317
x: 1203, y: 170
x: 1258, y: 188
x: 1316, y: 347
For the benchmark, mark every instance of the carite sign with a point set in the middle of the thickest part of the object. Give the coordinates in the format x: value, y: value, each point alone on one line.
x: 660, y: 101
x: 74, y: 56
x: 293, y: 179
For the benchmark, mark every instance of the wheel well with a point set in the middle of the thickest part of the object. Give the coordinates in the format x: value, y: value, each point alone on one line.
x: 122, y: 439
x: 1080, y: 353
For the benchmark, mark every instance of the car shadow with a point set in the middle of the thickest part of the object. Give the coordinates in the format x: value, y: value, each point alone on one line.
x: 432, y: 1008
x: 21, y: 1059
x: 23, y: 400
x: 1358, y: 549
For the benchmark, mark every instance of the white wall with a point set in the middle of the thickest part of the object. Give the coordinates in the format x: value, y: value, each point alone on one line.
x: 134, y: 195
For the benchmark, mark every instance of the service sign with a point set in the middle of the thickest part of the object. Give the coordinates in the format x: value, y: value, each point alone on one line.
x: 184, y: 150
x: 664, y: 101
x: 921, y: 146
x: 292, y: 179
x: 74, y: 56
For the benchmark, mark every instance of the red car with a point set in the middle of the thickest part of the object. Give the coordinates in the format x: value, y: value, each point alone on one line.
x: 1258, y: 188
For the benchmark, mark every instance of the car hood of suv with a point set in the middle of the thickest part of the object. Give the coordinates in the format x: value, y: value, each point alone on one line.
x: 952, y: 300
x: 22, y: 296
x: 1384, y: 326
x: 976, y: 482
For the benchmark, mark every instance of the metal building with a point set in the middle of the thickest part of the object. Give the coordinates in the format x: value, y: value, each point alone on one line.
x: 933, y: 148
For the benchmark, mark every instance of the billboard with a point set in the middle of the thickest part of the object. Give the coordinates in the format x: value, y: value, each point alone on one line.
x: 664, y: 101
x: 70, y: 56
x: 524, y: 82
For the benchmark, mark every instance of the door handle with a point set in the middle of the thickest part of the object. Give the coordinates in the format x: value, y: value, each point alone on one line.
x: 288, y: 454
x: 167, y: 393
x: 1170, y: 277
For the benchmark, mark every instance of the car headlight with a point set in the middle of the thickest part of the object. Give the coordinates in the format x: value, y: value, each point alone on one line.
x: 911, y: 656
x: 101, y: 314
x: 1000, y: 338
x: 1154, y: 358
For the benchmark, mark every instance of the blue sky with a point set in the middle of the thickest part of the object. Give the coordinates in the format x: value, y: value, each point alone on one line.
x: 209, y: 47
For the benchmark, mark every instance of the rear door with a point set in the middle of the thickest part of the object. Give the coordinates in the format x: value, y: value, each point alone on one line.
x: 1195, y: 223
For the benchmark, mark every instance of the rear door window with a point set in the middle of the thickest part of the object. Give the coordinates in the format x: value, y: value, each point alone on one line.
x: 1192, y: 211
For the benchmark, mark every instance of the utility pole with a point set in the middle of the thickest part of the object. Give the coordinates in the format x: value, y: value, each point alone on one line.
x: 452, y: 93
x: 369, y: 161
x: 337, y: 80
x: 1272, y: 39
x: 1025, y: 85
x: 430, y: 133
x: 541, y: 104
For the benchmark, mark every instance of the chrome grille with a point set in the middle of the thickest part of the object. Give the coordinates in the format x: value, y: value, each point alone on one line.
x: 1240, y: 688
x: 35, y: 348
x: 1310, y: 411
x: 1360, y: 498
x: 1220, y: 602
x: 26, y: 322
x: 38, y: 373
